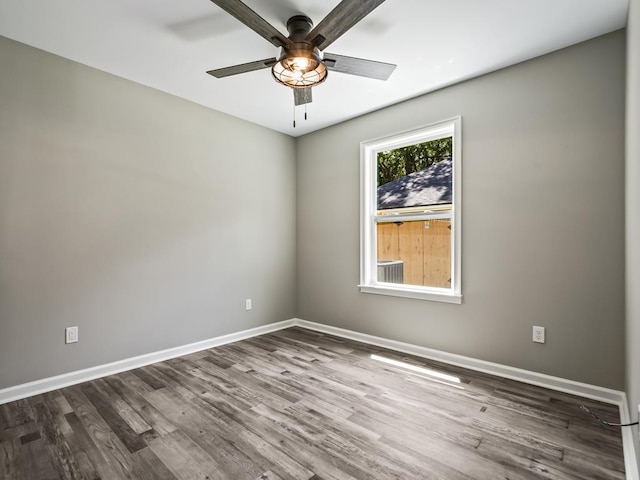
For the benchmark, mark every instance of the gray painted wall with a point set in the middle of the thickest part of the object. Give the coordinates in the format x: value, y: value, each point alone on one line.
x: 543, y: 218
x: 143, y: 219
x: 633, y: 212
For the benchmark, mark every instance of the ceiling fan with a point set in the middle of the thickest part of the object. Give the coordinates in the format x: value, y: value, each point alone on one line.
x: 302, y: 63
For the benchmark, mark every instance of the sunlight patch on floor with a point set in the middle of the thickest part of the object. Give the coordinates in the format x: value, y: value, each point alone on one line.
x: 431, y: 374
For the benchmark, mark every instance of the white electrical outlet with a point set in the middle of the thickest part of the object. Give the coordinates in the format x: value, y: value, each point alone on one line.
x: 71, y: 335
x: 538, y: 334
x: 247, y: 304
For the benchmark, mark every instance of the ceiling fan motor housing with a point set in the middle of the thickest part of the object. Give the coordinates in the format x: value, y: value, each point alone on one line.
x: 298, y: 27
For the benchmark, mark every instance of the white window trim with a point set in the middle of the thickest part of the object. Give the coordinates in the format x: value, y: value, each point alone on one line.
x: 369, y: 219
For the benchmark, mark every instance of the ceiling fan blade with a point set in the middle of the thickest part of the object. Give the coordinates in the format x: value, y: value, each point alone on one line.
x: 254, y: 21
x: 358, y: 66
x: 243, y: 68
x: 302, y: 96
x: 346, y: 14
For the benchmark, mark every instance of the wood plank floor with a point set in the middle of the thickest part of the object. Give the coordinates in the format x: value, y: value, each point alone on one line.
x: 297, y: 404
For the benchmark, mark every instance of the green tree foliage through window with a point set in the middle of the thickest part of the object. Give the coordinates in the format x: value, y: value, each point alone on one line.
x: 399, y: 162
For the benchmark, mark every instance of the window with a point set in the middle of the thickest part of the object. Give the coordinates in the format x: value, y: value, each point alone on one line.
x: 410, y: 214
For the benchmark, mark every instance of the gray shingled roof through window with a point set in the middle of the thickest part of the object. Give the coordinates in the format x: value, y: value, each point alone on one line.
x: 431, y: 186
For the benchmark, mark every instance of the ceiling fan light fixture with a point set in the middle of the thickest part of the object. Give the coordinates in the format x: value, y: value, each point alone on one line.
x: 299, y: 69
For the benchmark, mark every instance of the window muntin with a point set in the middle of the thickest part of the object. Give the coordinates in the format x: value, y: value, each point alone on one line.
x: 410, y: 214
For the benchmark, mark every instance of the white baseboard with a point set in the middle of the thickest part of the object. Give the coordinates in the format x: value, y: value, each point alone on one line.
x: 606, y: 395
x: 73, y: 378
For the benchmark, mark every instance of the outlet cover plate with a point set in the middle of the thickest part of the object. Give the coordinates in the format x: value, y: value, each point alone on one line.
x: 538, y: 334
x: 247, y: 304
x: 71, y: 335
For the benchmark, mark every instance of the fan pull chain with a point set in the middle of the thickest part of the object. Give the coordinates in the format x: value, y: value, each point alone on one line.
x: 294, y: 114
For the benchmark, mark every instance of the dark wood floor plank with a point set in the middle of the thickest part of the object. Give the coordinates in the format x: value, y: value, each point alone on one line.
x: 217, y: 359
x: 106, y: 442
x: 128, y: 414
x: 90, y: 460
x: 37, y: 463
x: 10, y: 468
x: 144, y: 409
x: 54, y: 445
x: 185, y: 459
x: 298, y: 404
x: 108, y: 412
x: 60, y: 410
x: 18, y: 431
x: 147, y: 466
x: 148, y: 378
x: 4, y: 416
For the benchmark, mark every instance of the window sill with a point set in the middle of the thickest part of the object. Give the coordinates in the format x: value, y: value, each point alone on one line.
x: 405, y: 292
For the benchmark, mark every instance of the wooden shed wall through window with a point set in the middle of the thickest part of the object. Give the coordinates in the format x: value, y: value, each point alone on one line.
x: 424, y: 246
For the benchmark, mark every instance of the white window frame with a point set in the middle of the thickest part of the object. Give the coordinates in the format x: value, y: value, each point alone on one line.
x: 369, y: 218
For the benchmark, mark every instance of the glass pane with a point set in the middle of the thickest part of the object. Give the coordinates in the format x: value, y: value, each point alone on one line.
x: 415, y: 176
x: 415, y: 253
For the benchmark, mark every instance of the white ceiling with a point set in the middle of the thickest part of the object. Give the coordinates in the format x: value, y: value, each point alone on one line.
x: 170, y: 44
